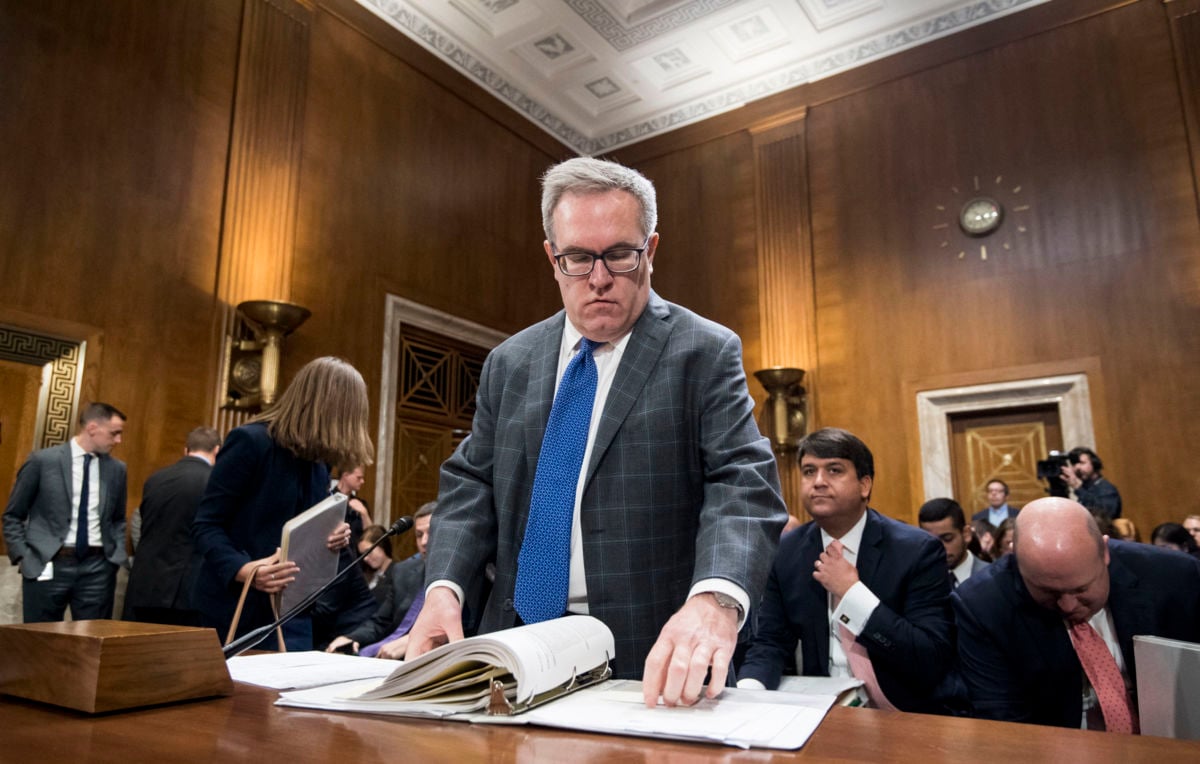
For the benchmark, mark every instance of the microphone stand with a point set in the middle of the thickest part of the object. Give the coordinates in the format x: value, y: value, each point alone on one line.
x: 248, y: 641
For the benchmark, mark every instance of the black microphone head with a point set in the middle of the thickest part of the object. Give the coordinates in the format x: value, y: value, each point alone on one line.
x: 400, y: 526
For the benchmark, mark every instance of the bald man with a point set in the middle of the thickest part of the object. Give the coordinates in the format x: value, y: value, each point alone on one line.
x: 1015, y: 619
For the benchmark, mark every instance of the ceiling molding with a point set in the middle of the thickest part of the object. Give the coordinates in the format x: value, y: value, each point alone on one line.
x: 601, y: 74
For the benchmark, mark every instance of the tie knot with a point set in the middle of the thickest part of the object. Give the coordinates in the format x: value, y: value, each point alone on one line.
x: 86, y: 458
x: 588, y: 346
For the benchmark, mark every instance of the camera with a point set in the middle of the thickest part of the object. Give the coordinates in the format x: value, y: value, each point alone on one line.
x: 1052, y: 465
x: 1050, y: 470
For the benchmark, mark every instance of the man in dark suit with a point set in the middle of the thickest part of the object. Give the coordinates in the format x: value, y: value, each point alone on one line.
x: 406, y: 583
x: 997, y: 510
x: 160, y: 584
x: 1017, y: 620
x: 854, y: 584
x: 677, y: 506
x: 944, y: 518
x: 65, y: 521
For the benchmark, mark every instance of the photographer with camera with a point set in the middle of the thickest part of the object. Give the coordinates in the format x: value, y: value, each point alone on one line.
x: 1092, y: 489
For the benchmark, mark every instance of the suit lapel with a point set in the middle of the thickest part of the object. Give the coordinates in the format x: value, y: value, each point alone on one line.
x: 870, y: 552
x: 64, y: 460
x: 543, y: 373
x: 816, y: 631
x: 1131, y: 609
x: 102, y: 472
x: 645, y: 347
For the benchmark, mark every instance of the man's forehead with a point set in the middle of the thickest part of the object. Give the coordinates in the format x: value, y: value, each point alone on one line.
x: 824, y: 461
x: 945, y: 525
x: 1060, y: 572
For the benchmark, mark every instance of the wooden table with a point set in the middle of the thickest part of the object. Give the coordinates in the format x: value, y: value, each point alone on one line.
x: 247, y: 727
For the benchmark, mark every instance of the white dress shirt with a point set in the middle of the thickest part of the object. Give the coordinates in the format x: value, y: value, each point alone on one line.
x: 93, y: 502
x: 857, y: 604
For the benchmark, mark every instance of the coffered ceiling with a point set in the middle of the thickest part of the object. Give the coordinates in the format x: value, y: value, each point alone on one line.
x: 599, y: 74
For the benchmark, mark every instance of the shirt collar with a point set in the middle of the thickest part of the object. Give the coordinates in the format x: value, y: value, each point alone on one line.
x: 77, y: 451
x: 572, y: 336
x: 852, y: 541
x: 963, y: 570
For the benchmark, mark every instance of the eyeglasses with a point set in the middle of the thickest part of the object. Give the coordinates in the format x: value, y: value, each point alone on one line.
x: 580, y: 262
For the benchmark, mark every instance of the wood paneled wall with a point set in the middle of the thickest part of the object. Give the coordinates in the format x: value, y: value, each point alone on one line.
x: 125, y: 169
x: 115, y: 128
x: 411, y: 180
x: 1075, y: 122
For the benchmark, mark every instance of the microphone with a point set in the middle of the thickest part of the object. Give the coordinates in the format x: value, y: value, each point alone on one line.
x: 248, y: 641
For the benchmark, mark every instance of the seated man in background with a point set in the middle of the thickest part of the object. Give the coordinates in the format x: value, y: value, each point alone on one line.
x: 1192, y: 526
x: 1174, y: 536
x: 1067, y: 591
x: 997, y: 510
x: 386, y: 632
x: 864, y: 595
x: 944, y: 518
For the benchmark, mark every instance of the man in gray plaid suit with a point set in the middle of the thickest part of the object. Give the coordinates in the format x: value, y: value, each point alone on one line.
x: 678, y: 508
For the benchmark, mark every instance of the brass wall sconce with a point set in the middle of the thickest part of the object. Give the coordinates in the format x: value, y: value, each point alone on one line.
x: 252, y: 353
x: 783, y: 419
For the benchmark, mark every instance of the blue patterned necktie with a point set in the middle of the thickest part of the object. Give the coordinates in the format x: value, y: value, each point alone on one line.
x: 544, y: 564
x: 81, y: 530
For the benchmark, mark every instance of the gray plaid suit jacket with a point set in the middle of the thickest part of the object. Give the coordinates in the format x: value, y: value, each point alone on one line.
x: 681, y: 486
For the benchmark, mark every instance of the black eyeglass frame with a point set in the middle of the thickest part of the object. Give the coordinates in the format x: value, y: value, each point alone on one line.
x: 637, y: 261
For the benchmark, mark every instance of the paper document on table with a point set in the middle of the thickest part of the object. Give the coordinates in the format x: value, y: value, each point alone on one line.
x: 291, y: 671
x: 848, y: 690
x: 742, y: 718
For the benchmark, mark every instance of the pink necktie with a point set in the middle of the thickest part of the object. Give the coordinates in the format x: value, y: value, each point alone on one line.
x: 861, y: 668
x: 1102, y: 671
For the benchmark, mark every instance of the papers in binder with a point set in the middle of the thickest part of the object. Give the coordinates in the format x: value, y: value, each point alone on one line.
x: 503, y: 673
x: 305, y: 541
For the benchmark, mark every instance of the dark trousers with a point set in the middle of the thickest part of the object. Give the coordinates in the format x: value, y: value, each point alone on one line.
x: 167, y: 615
x: 86, y: 585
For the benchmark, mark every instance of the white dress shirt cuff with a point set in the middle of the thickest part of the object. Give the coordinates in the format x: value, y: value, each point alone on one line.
x: 724, y: 586
x: 856, y: 607
x: 447, y: 584
x: 750, y: 684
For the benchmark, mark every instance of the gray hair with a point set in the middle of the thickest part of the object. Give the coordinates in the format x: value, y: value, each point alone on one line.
x: 584, y: 175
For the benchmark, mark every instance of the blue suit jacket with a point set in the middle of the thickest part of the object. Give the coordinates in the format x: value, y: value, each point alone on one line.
x: 681, y: 486
x: 909, y: 637
x: 255, y: 487
x: 1017, y: 658
x: 39, y: 510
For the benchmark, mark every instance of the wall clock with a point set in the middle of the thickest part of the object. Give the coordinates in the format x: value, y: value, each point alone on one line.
x: 979, y: 215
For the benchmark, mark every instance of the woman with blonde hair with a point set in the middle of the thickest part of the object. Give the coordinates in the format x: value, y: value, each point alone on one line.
x: 268, y: 471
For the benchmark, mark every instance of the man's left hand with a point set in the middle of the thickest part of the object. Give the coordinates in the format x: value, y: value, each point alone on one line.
x: 702, y: 635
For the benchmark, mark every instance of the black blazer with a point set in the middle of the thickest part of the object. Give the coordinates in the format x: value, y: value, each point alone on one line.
x: 1017, y: 658
x: 909, y: 637
x: 162, y: 575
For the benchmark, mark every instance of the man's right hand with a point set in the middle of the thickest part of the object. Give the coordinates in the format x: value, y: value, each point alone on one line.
x: 440, y: 622
x: 1070, y: 476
